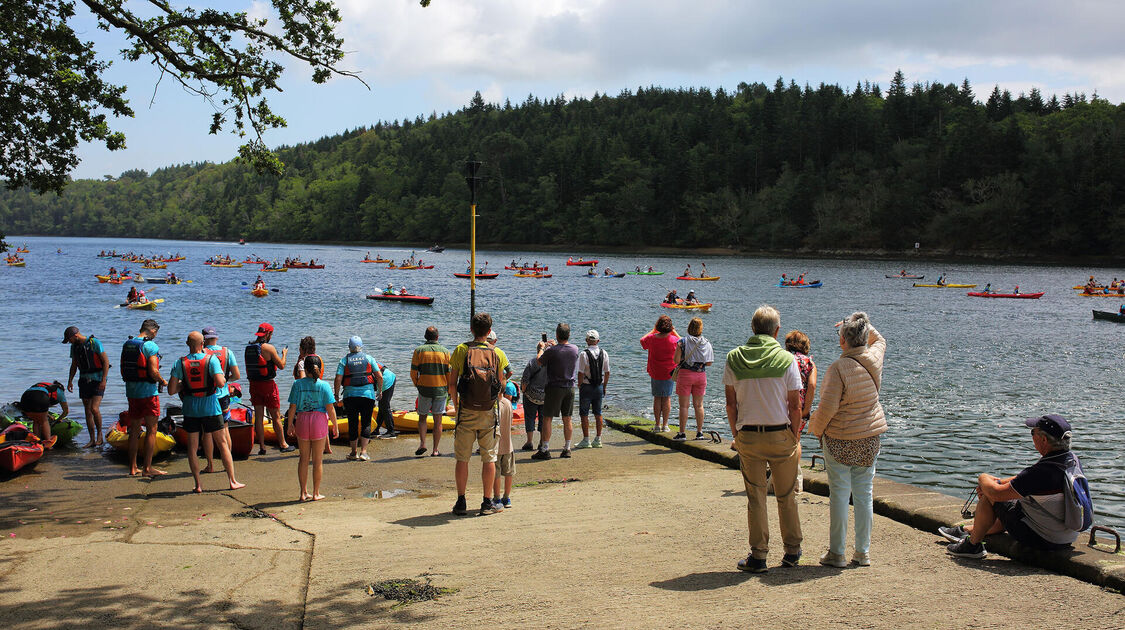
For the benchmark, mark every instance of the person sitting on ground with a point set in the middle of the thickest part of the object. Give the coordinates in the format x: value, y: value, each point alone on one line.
x: 1039, y: 507
x: 672, y: 298
x: 691, y: 299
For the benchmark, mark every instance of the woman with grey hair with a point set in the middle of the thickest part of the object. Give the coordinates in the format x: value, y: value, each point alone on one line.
x: 849, y: 421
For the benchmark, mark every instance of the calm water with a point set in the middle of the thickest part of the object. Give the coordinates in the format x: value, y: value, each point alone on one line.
x: 960, y: 373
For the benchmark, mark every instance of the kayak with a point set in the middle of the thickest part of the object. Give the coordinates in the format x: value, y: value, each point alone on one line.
x: 407, y: 421
x: 152, y: 266
x: 480, y: 276
x: 302, y: 265
x: 946, y: 286
x: 104, y: 279
x: 815, y: 284
x: 645, y: 273
x: 17, y: 264
x: 581, y: 263
x: 275, y: 268
x: 1112, y: 295
x: 531, y: 275
x: 19, y: 454
x: 241, y: 435
x: 23, y: 251
x: 227, y: 266
x: 990, y: 294
x: 410, y: 299
x: 703, y: 278
x: 907, y: 277
x: 706, y: 308
x: 403, y: 267
x: 65, y: 429
x: 118, y: 438
x: 259, y: 292
x: 142, y: 306
x: 1098, y: 287
x: 1110, y: 316
x: 525, y: 269
x: 255, y: 262
x: 602, y: 275
x: 177, y: 259
x: 378, y: 260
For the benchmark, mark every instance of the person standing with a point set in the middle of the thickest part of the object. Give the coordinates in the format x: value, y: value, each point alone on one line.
x: 475, y: 382
x: 88, y: 359
x: 231, y: 374
x: 561, y: 363
x: 384, y: 418
x: 262, y: 364
x: 311, y: 411
x: 763, y: 385
x: 429, y: 371
x: 661, y: 345
x: 37, y: 401
x: 693, y: 354
x: 198, y: 378
x: 593, y: 376
x: 533, y: 382
x: 359, y: 374
x: 849, y: 421
x: 140, y: 369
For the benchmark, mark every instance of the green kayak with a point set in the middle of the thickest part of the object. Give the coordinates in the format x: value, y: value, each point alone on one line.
x: 64, y: 429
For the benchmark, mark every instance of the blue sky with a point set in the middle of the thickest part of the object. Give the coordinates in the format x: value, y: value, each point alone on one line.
x: 419, y: 60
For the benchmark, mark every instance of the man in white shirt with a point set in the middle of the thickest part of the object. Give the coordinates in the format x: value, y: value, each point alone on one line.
x: 763, y: 385
x: 593, y: 375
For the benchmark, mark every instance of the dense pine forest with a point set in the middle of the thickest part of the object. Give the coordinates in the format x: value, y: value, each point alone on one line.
x: 779, y: 167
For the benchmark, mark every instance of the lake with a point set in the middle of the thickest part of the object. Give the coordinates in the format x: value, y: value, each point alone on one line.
x: 961, y: 373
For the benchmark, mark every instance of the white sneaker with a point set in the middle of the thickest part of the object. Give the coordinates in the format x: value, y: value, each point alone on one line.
x: 863, y: 559
x: 585, y: 443
x: 597, y: 443
x: 830, y: 559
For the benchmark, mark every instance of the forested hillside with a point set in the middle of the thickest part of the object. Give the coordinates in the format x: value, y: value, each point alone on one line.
x: 781, y: 167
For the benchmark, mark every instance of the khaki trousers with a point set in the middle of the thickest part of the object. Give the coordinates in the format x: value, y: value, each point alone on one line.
x: 779, y: 450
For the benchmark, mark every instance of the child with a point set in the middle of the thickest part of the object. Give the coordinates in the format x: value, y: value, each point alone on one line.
x: 311, y: 410
x: 506, y: 461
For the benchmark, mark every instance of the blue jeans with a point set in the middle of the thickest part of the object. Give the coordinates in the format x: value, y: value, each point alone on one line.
x: 531, y: 413
x: 844, y: 482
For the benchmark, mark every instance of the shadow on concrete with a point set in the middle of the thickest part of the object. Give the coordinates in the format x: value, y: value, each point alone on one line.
x: 433, y: 520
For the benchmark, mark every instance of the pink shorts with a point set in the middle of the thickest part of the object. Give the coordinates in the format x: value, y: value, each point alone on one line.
x: 265, y: 393
x: 311, y: 425
x: 690, y: 383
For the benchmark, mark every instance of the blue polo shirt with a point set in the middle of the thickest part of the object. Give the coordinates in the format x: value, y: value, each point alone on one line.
x: 199, y: 406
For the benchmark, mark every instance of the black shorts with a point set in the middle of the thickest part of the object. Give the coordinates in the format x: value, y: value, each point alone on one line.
x: 90, y: 389
x: 558, y: 401
x: 208, y: 424
x: 35, y: 401
x: 1010, y: 514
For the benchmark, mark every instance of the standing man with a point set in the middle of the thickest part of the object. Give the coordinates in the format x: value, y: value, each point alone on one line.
x: 89, y: 360
x: 197, y: 378
x: 231, y: 373
x: 763, y: 393
x: 593, y: 376
x: 262, y: 364
x: 429, y: 371
x: 475, y: 382
x: 561, y: 362
x: 140, y: 369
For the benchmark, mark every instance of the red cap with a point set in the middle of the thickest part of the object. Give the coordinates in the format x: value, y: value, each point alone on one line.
x: 264, y: 329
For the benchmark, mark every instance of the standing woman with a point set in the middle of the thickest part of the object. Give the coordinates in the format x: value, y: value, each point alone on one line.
x: 849, y: 422
x: 308, y: 349
x: 359, y: 375
x: 310, y: 413
x: 797, y: 343
x: 693, y: 354
x: 661, y: 345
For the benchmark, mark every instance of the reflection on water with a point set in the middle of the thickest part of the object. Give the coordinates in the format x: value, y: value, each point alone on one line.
x: 960, y: 374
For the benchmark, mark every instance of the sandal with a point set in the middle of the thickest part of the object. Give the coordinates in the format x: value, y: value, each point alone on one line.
x: 420, y: 452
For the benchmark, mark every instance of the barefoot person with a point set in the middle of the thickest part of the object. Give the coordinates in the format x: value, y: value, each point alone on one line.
x: 311, y: 411
x: 231, y: 373
x: 197, y: 378
x: 262, y: 364
x: 429, y: 371
x: 140, y: 369
x: 88, y: 359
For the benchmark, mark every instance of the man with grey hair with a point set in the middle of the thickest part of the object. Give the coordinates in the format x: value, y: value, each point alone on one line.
x: 1039, y: 507
x: 763, y: 384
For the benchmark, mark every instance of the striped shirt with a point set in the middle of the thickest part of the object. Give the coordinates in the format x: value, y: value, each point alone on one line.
x: 429, y: 370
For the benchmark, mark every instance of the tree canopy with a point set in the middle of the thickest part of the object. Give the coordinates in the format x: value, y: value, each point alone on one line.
x: 53, y: 95
x: 763, y: 167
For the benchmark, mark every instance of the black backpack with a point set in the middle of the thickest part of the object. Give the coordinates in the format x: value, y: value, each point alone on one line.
x: 596, y: 366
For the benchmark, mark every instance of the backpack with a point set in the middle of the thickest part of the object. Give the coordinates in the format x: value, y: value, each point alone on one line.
x: 596, y: 367
x: 478, y: 384
x: 1079, y: 509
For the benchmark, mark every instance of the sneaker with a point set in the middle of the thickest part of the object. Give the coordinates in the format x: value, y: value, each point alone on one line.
x: 389, y: 435
x: 261, y: 450
x: 965, y: 548
x: 364, y: 457
x: 541, y: 455
x: 699, y: 436
x: 830, y: 559
x: 752, y: 565
x: 488, y: 507
x: 597, y: 443
x: 352, y: 457
x: 862, y: 558
x: 680, y: 437
x: 459, y: 508
x: 565, y: 454
x: 952, y: 534
x: 506, y: 502
x: 528, y: 447
x: 289, y: 448
x: 496, y: 503
x: 791, y: 559
x: 585, y: 443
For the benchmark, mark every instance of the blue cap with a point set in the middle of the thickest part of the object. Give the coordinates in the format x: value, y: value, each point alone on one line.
x: 1051, y: 424
x: 355, y: 343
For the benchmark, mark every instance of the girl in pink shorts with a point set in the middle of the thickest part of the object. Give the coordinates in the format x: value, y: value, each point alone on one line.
x: 693, y: 354
x: 311, y: 411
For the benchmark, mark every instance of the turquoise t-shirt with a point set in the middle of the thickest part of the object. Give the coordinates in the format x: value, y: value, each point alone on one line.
x: 388, y: 378
x: 97, y: 348
x: 311, y: 394
x: 142, y: 389
x: 232, y: 361
x: 61, y: 392
x: 363, y: 391
x: 199, y: 406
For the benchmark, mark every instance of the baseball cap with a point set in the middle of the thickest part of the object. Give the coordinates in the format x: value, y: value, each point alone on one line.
x: 209, y: 332
x: 1051, y: 424
x: 69, y: 333
x: 593, y: 334
x: 264, y: 330
x: 355, y: 343
x: 491, y: 335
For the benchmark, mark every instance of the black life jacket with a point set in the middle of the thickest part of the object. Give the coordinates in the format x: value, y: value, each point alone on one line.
x: 85, y: 358
x: 257, y: 367
x: 134, y: 363
x: 357, y: 370
x: 197, y: 380
x: 596, y: 367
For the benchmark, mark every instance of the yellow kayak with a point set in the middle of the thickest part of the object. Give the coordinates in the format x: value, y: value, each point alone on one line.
x: 230, y: 266
x: 408, y: 421
x: 119, y: 440
x: 946, y: 286
x: 17, y: 264
x: 341, y: 424
x: 706, y: 307
x: 152, y: 266
x: 260, y: 292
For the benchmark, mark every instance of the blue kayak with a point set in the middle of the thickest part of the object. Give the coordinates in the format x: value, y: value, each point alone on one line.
x: 810, y: 285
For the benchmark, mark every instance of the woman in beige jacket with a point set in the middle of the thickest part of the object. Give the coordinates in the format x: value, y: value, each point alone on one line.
x: 849, y: 422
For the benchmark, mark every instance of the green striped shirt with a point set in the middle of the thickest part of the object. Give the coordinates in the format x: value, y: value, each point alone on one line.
x: 429, y: 370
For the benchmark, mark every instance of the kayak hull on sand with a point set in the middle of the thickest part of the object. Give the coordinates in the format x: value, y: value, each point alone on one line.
x: 480, y: 276
x: 20, y: 454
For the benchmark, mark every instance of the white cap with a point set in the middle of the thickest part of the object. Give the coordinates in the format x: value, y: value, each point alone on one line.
x: 491, y: 335
x: 593, y: 334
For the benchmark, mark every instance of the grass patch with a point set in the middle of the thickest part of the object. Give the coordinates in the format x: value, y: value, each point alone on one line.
x: 405, y: 591
x: 528, y: 484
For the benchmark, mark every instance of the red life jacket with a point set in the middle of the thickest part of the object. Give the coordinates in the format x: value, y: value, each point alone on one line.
x: 52, y: 391
x: 197, y: 380
x: 222, y: 356
x: 257, y: 367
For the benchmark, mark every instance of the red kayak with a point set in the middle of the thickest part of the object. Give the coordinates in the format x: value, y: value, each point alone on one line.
x: 21, y: 448
x: 301, y: 265
x: 411, y: 299
x: 1019, y: 296
x: 581, y: 263
x: 480, y: 276
x: 241, y: 430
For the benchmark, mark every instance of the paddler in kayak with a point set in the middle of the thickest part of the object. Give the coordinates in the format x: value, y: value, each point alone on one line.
x: 259, y: 283
x: 590, y: 271
x: 941, y: 280
x: 987, y: 288
x: 687, y: 271
x: 691, y: 299
x: 703, y: 270
x: 1017, y: 290
x: 672, y: 298
x: 403, y: 291
x: 390, y: 290
x: 132, y: 297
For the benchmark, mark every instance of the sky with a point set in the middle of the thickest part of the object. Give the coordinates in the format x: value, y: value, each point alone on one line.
x: 422, y: 60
